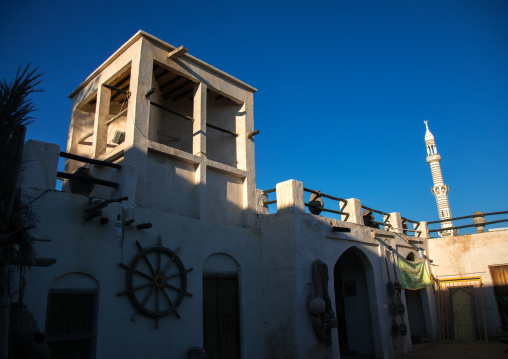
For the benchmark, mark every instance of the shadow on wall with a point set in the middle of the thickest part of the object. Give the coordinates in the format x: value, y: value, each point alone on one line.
x: 171, y: 184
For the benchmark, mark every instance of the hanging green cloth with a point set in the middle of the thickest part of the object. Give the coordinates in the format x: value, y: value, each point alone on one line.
x: 413, y: 275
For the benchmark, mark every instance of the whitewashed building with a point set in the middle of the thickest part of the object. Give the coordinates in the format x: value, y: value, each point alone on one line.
x: 174, y: 247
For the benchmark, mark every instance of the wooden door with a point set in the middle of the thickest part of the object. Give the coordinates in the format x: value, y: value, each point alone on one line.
x: 71, y: 323
x: 462, y: 318
x: 221, y: 324
x: 499, y: 274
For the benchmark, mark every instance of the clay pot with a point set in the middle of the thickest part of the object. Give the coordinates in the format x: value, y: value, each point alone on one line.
x: 80, y: 186
x: 315, y: 203
x: 479, y: 222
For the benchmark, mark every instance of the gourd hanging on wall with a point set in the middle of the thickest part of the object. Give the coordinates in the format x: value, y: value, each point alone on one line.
x: 156, y: 282
x: 319, y: 305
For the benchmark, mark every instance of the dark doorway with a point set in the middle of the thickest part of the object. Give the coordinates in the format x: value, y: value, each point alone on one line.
x: 71, y: 322
x: 221, y: 322
x: 353, y: 305
x: 415, y: 315
x: 499, y: 275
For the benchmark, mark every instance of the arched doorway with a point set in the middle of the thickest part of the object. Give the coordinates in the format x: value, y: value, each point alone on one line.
x: 352, y: 304
x: 221, y: 307
x: 415, y: 314
x: 71, y: 316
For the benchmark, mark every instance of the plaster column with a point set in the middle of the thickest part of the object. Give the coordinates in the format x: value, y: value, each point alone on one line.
x: 354, y: 208
x: 396, y: 222
x: 100, y: 129
x: 262, y: 198
x: 245, y: 155
x: 424, y: 228
x: 290, y: 196
x: 199, y: 124
x: 137, y: 124
x: 199, y: 144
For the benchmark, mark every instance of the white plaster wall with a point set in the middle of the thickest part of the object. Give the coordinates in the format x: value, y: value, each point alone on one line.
x: 93, y: 249
x: 293, y: 241
x: 39, y: 165
x: 171, y: 185
x: 318, y: 242
x: 282, y: 297
x: 224, y: 198
x: 470, y: 255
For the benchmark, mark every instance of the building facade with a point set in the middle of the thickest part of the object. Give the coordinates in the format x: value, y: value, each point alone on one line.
x: 174, y: 248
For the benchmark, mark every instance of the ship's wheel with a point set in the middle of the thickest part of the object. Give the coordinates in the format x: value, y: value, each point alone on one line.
x: 156, y: 282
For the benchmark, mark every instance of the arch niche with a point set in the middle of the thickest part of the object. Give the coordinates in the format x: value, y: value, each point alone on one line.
x: 354, y: 291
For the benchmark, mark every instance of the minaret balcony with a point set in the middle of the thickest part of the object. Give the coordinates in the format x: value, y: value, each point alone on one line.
x: 434, y: 158
x: 440, y: 190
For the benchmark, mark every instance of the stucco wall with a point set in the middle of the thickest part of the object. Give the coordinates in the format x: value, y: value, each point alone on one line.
x: 92, y: 249
x: 293, y: 241
x: 471, y: 255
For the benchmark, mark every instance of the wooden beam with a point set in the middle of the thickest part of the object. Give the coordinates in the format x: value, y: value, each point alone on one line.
x: 125, y: 88
x: 188, y: 118
x: 116, y: 89
x: 186, y: 83
x: 89, y: 160
x: 71, y: 176
x: 170, y: 82
x: 162, y: 70
x: 28, y: 261
x: 176, y: 53
x: 185, y: 93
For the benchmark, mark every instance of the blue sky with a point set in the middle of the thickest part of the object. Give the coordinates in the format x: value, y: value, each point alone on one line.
x: 343, y: 86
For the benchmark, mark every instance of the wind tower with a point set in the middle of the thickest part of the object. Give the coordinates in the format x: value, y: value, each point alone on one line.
x: 440, y: 190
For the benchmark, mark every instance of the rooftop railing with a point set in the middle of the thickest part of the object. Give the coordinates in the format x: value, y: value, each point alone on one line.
x: 479, y: 222
x: 293, y: 194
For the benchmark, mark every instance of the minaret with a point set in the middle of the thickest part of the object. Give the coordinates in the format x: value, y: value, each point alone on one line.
x: 440, y: 190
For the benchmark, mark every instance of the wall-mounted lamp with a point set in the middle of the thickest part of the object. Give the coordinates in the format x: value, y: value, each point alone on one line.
x: 420, y: 253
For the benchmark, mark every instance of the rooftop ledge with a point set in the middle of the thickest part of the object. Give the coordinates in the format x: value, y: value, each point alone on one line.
x: 164, y: 44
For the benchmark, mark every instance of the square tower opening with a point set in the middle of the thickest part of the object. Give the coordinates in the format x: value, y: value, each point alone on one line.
x: 173, y: 92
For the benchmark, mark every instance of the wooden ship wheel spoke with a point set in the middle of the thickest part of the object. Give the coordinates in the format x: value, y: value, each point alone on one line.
x: 147, y: 282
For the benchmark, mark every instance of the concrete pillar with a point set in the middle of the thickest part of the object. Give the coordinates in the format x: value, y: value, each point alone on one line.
x: 137, y: 125
x: 100, y: 129
x: 40, y: 164
x: 354, y: 208
x: 199, y: 144
x: 199, y: 125
x: 290, y: 196
x: 396, y: 222
x: 245, y: 156
x: 424, y: 228
x: 262, y: 198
